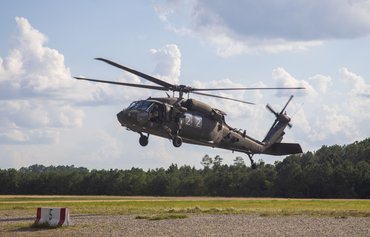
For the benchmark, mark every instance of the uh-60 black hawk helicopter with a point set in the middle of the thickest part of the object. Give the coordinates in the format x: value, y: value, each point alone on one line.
x: 194, y: 122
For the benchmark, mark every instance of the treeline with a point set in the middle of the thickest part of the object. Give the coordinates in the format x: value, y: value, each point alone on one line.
x: 330, y: 172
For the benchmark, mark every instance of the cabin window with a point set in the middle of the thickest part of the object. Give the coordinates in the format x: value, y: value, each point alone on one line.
x: 158, y: 112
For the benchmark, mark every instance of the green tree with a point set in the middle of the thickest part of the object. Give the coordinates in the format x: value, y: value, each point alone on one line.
x: 239, y: 161
x: 207, y: 161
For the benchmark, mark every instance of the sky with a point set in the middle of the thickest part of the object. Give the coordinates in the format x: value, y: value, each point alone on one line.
x: 49, y: 118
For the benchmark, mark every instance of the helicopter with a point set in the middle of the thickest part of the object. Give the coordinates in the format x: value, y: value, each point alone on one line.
x: 187, y: 120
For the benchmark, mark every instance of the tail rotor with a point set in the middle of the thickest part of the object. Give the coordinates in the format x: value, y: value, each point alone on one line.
x: 276, y: 132
x: 281, y: 114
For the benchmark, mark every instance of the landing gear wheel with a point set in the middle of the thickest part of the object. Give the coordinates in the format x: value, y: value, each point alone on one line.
x: 253, y: 166
x: 177, y: 141
x: 143, y: 140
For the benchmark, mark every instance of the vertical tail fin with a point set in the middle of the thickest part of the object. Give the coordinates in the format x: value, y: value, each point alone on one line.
x: 276, y: 132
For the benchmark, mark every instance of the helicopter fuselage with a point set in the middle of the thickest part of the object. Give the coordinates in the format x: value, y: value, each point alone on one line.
x: 193, y: 121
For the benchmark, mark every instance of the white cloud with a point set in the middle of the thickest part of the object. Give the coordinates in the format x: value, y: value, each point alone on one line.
x: 13, y: 134
x: 356, y: 101
x: 285, y: 79
x: 338, y: 117
x: 33, y: 85
x: 168, y: 63
x: 31, y: 69
x: 267, y: 26
x: 360, y: 87
x: 332, y: 122
x: 38, y: 95
x: 321, y: 82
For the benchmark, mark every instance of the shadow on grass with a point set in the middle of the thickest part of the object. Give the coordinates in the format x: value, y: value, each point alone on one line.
x: 34, y: 228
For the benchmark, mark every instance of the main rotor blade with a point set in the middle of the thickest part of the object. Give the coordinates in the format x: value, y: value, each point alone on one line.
x: 222, y: 97
x: 137, y: 73
x: 247, y: 88
x: 124, y: 84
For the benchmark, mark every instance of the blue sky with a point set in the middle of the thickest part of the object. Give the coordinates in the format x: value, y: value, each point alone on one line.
x: 46, y: 117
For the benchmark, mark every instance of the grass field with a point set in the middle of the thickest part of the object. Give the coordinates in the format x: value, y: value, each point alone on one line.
x: 112, y: 205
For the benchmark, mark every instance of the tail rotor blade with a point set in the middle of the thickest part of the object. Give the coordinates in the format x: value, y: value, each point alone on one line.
x: 271, y: 110
x: 278, y: 114
x: 282, y: 111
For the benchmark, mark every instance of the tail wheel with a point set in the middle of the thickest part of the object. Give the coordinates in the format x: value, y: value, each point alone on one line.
x: 177, y: 141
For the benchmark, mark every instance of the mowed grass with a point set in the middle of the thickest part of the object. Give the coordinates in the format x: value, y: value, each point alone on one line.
x: 107, y: 205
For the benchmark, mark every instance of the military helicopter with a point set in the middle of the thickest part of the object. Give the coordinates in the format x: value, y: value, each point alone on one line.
x: 191, y: 121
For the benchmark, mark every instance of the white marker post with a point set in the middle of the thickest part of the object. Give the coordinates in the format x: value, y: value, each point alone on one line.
x: 53, y: 216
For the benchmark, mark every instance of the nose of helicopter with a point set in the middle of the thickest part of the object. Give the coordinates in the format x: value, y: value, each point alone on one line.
x: 121, y: 117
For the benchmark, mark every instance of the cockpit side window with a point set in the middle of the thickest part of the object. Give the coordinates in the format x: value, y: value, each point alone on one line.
x: 141, y: 105
x: 133, y: 105
x: 144, y: 105
x: 149, y: 107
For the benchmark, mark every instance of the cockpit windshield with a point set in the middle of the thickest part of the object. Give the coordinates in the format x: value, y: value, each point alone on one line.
x: 141, y: 105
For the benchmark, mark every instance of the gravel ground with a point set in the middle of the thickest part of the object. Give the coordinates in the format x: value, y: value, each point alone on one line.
x: 195, y: 225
